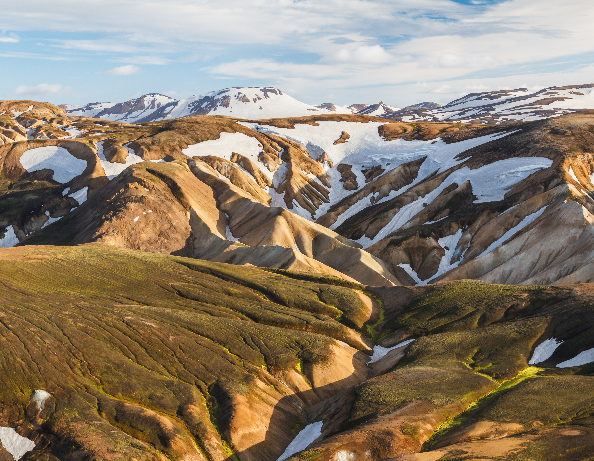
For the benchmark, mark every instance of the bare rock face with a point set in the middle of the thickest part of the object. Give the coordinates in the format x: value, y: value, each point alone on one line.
x: 348, y: 178
x: 344, y: 137
x: 261, y: 179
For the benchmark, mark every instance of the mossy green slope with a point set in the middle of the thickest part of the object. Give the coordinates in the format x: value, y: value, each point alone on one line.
x: 131, y: 345
x: 464, y: 388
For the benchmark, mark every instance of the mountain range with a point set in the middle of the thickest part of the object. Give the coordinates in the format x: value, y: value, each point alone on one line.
x: 256, y: 103
x: 241, y: 276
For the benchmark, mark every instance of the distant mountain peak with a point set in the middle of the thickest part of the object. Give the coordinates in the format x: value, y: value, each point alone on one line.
x: 242, y: 102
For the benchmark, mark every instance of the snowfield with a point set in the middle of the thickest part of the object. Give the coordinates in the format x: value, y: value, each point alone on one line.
x: 226, y: 145
x: 114, y: 169
x: 583, y: 358
x: 10, y: 239
x: 304, y: 439
x: 15, y: 444
x: 65, y: 166
x: 380, y: 352
x: 544, y: 351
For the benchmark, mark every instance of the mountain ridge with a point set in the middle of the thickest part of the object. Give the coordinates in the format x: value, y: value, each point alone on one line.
x: 498, y: 106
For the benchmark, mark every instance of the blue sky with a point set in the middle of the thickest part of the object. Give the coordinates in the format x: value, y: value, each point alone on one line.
x: 341, y: 51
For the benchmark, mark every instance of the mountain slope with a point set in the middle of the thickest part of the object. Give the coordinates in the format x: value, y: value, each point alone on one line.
x: 380, y: 202
x: 112, y: 354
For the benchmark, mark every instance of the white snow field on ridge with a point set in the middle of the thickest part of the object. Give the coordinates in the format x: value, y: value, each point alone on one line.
x: 366, y: 148
x: 112, y: 169
x: 65, y: 166
x: 506, y: 105
x: 251, y: 103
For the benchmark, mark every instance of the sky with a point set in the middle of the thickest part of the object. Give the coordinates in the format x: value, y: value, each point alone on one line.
x: 400, y: 52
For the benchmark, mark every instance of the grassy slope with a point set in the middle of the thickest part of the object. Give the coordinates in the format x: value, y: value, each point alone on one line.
x: 465, y: 384
x: 114, y: 334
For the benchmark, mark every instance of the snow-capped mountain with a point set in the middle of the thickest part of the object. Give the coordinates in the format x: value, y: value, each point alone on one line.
x: 375, y: 110
x: 505, y: 105
x: 250, y: 103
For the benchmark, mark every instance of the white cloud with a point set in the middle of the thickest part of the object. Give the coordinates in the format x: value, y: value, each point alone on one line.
x: 456, y: 60
x: 124, y: 70
x: 363, y: 55
x: 376, y: 49
x: 43, y: 89
x: 9, y: 40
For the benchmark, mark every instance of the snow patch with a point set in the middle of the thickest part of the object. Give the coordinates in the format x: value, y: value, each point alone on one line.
x: 40, y: 397
x: 514, y: 230
x: 583, y: 358
x: 304, y: 439
x: 544, y: 351
x: 73, y: 132
x: 114, y: 169
x: 80, y: 196
x: 65, y: 166
x: 410, y: 271
x: 14, y: 443
x: 50, y: 220
x: 10, y: 239
x: 449, y: 244
x: 229, y: 235
x: 345, y: 456
x: 226, y: 145
x: 380, y: 352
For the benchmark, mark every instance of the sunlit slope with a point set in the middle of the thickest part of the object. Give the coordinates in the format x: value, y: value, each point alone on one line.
x: 155, y: 357
x: 494, y: 372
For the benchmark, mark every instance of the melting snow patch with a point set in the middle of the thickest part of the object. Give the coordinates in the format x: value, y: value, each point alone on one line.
x: 583, y: 358
x: 380, y: 352
x: 15, y: 444
x: 449, y: 244
x: 114, y: 169
x: 73, y: 131
x: 10, y: 239
x: 80, y: 196
x: 229, y: 235
x: 345, y: 456
x: 573, y: 175
x: 64, y: 165
x: 544, y: 351
x: 40, y: 397
x: 226, y: 145
x: 410, y: 271
x: 514, y: 230
x: 304, y: 439
x: 50, y: 220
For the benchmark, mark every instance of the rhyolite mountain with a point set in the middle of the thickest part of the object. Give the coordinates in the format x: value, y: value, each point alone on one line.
x: 205, y: 287
x: 382, y: 203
